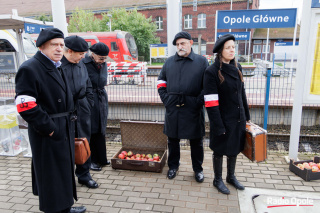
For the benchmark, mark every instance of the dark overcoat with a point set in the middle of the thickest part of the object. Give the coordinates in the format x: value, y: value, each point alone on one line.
x: 81, y: 88
x: 181, y: 83
x: 43, y: 92
x: 99, y: 112
x: 229, y: 111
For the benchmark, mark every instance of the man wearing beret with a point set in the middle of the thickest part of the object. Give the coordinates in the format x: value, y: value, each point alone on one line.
x: 44, y: 100
x: 81, y: 88
x: 95, y: 62
x: 181, y: 91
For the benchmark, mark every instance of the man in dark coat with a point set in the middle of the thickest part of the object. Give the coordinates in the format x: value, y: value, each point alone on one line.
x: 180, y: 88
x: 81, y: 88
x: 96, y: 65
x: 45, y: 101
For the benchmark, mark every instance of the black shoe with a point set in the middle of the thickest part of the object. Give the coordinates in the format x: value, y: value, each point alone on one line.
x: 234, y: 182
x: 90, y: 184
x: 172, y: 173
x: 79, y: 209
x: 219, y: 184
x: 95, y: 167
x: 199, y: 177
x: 106, y: 164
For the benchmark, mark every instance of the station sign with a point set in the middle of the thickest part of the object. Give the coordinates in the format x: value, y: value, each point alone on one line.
x: 269, y: 18
x: 238, y: 35
x: 34, y: 28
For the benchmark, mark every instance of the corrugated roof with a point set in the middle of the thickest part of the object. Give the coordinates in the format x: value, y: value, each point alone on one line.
x: 37, y: 7
x: 275, y: 33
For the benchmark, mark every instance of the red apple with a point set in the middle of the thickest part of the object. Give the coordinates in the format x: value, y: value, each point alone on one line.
x: 155, y: 155
x: 150, y: 159
x: 121, y: 156
x: 149, y: 156
x: 156, y: 158
x: 315, y: 169
x: 138, y: 156
x: 130, y: 154
x: 143, y: 156
x: 124, y: 153
x: 127, y: 158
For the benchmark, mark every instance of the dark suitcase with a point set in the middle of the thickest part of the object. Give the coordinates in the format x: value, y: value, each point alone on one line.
x: 255, y: 147
x: 144, y: 138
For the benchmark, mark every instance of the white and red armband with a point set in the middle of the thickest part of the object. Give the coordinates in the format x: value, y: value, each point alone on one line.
x: 161, y: 83
x: 25, y: 102
x: 211, y: 100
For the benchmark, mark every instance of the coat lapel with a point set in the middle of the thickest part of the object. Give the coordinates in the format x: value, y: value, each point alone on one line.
x: 50, y: 69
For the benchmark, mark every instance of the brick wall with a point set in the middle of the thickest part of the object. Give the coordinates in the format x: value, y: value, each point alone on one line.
x: 208, y: 33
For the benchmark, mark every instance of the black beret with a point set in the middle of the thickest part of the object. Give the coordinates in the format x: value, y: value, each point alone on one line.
x: 100, y: 49
x: 48, y: 34
x: 76, y: 43
x: 181, y: 34
x: 220, y: 42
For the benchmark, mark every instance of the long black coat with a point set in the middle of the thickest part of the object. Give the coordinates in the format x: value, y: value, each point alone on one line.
x: 181, y: 82
x: 81, y: 89
x: 99, y: 112
x: 39, y: 81
x: 227, y: 108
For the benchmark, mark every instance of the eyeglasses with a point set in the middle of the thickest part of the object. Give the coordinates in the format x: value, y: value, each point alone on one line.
x: 100, y: 58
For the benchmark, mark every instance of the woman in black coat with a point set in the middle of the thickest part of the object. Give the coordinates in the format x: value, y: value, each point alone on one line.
x: 95, y: 62
x: 228, y: 111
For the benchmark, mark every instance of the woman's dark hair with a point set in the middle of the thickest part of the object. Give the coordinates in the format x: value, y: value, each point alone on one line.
x: 219, y: 56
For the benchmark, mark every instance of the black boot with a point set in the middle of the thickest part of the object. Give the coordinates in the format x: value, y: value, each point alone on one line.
x: 231, y: 178
x: 217, y: 167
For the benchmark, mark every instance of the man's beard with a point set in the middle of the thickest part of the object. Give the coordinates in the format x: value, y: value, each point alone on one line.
x: 182, y: 52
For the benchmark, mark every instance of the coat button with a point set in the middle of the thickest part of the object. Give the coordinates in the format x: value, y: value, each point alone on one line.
x: 59, y: 100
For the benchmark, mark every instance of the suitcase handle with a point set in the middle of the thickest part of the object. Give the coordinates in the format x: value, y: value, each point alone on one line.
x: 136, y: 163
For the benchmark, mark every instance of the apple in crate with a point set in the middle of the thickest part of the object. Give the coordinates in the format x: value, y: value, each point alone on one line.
x: 124, y: 153
x: 121, y: 156
x: 130, y: 154
x: 156, y: 158
x: 315, y: 169
x: 306, y: 165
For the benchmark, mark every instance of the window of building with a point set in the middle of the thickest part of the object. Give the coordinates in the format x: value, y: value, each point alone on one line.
x: 257, y: 41
x: 195, y: 46
x: 264, y: 48
x: 188, y: 21
x: 159, y: 22
x: 202, y: 20
x: 256, y: 48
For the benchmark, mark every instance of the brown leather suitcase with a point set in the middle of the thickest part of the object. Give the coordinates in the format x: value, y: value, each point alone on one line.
x: 82, y: 150
x: 143, y: 138
x: 255, y: 147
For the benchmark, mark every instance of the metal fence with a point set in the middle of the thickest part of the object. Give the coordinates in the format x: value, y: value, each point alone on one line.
x: 131, y: 101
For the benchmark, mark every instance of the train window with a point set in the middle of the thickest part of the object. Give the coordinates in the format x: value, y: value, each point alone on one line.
x: 114, y: 46
x: 5, y: 46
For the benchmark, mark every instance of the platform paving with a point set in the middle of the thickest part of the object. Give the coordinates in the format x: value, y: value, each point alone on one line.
x: 139, y: 192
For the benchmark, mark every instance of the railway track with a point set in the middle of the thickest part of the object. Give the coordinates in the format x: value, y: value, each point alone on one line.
x: 276, y: 141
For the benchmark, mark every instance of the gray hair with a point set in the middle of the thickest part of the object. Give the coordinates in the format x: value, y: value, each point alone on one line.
x: 65, y: 48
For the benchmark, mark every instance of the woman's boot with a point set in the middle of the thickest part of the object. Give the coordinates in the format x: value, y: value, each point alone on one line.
x: 217, y: 168
x: 231, y: 178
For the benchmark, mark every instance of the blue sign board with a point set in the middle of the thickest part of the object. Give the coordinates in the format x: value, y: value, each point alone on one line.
x: 271, y: 18
x: 158, y: 45
x: 286, y: 43
x: 237, y: 35
x: 34, y: 28
x: 315, y: 3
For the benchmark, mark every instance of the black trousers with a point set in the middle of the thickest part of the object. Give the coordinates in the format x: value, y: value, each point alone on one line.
x: 196, y: 153
x: 83, y: 172
x: 98, y: 149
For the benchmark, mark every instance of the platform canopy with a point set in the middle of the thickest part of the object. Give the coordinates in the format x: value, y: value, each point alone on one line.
x: 13, y: 21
